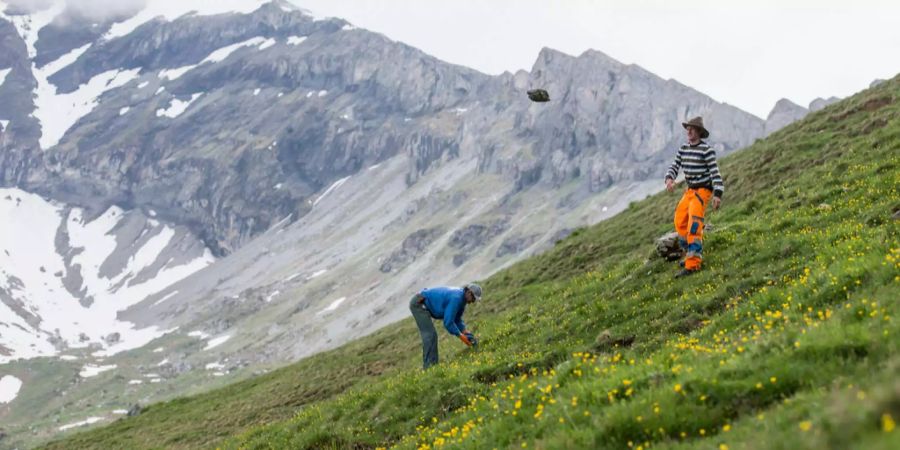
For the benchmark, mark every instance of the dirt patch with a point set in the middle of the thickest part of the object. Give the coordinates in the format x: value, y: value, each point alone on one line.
x: 606, y: 342
x: 870, y: 105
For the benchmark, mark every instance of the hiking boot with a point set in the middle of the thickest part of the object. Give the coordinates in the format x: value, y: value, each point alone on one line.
x: 685, y: 272
x: 681, y: 263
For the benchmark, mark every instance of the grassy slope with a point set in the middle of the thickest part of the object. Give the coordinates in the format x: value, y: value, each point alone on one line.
x: 787, y: 339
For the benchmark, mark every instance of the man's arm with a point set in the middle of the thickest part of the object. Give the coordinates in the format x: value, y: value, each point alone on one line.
x: 450, y: 317
x: 459, y: 322
x: 713, y: 166
x: 675, y: 167
x: 672, y: 173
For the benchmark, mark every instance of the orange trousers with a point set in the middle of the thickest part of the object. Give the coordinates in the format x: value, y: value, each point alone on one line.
x: 689, y: 224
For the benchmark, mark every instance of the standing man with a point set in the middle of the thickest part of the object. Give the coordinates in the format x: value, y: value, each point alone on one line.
x: 448, y: 304
x: 704, y: 184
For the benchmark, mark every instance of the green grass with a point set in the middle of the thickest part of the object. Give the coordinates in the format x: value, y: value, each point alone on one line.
x: 786, y: 339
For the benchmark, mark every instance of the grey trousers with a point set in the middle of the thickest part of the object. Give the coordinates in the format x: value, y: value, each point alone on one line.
x: 426, y: 330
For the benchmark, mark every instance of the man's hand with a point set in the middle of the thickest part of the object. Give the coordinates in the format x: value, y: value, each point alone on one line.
x: 463, y: 337
x: 716, y: 201
x: 670, y: 185
x: 471, y: 338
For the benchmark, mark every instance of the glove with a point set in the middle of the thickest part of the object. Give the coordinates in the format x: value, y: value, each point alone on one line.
x: 468, y: 338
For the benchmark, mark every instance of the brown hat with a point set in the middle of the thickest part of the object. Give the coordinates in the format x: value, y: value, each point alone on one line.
x: 697, y: 122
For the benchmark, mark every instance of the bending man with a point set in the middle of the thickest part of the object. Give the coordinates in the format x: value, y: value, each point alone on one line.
x: 447, y: 304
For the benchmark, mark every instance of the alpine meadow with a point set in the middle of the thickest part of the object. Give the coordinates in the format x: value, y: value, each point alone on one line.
x: 789, y: 338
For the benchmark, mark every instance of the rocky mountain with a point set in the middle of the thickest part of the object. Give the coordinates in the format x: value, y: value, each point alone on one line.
x: 820, y: 103
x: 228, y: 190
x: 783, y: 114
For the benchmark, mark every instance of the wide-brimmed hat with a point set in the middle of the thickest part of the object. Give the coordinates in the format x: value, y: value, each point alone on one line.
x: 697, y: 122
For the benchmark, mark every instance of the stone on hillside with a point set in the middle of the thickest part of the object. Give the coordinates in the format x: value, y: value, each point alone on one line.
x: 112, y: 338
x: 668, y: 248
x: 134, y: 410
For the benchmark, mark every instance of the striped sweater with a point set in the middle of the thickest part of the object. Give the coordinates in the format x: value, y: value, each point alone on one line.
x: 700, y: 167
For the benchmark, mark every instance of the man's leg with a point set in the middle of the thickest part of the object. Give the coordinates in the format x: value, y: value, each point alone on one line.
x: 682, y: 219
x: 426, y: 331
x: 696, y: 212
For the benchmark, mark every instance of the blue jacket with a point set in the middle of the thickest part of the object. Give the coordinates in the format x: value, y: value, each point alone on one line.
x: 446, y: 303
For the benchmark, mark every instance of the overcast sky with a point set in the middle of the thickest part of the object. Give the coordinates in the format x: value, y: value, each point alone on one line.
x: 747, y: 53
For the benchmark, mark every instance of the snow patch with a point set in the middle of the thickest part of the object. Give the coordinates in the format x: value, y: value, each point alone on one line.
x: 332, y: 306
x: 174, y: 74
x: 88, y: 421
x: 30, y: 260
x: 296, y: 40
x: 323, y: 93
x: 375, y: 167
x: 334, y: 186
x: 135, y: 381
x: 4, y: 124
x: 68, y: 358
x: 256, y: 91
x: 9, y: 388
x: 3, y: 74
x: 272, y: 295
x: 90, y: 370
x: 214, y: 366
x: 143, y: 84
x: 58, y: 112
x: 224, y: 52
x: 124, y: 110
x: 293, y: 276
x: 163, y: 362
x: 213, y: 343
x: 198, y: 334
x: 348, y: 27
x: 120, y: 411
x: 167, y: 296
x: 29, y: 25
x: 171, y: 10
x: 158, y: 350
x: 268, y: 43
x: 159, y: 91
x: 177, y: 107
x: 317, y: 274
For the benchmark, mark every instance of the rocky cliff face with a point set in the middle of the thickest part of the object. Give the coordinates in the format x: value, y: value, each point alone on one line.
x: 274, y: 106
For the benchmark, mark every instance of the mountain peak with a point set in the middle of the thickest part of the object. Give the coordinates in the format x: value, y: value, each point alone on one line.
x: 820, y: 103
x: 783, y: 113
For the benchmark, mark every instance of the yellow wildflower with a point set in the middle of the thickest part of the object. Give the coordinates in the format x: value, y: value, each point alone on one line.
x: 887, y: 423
